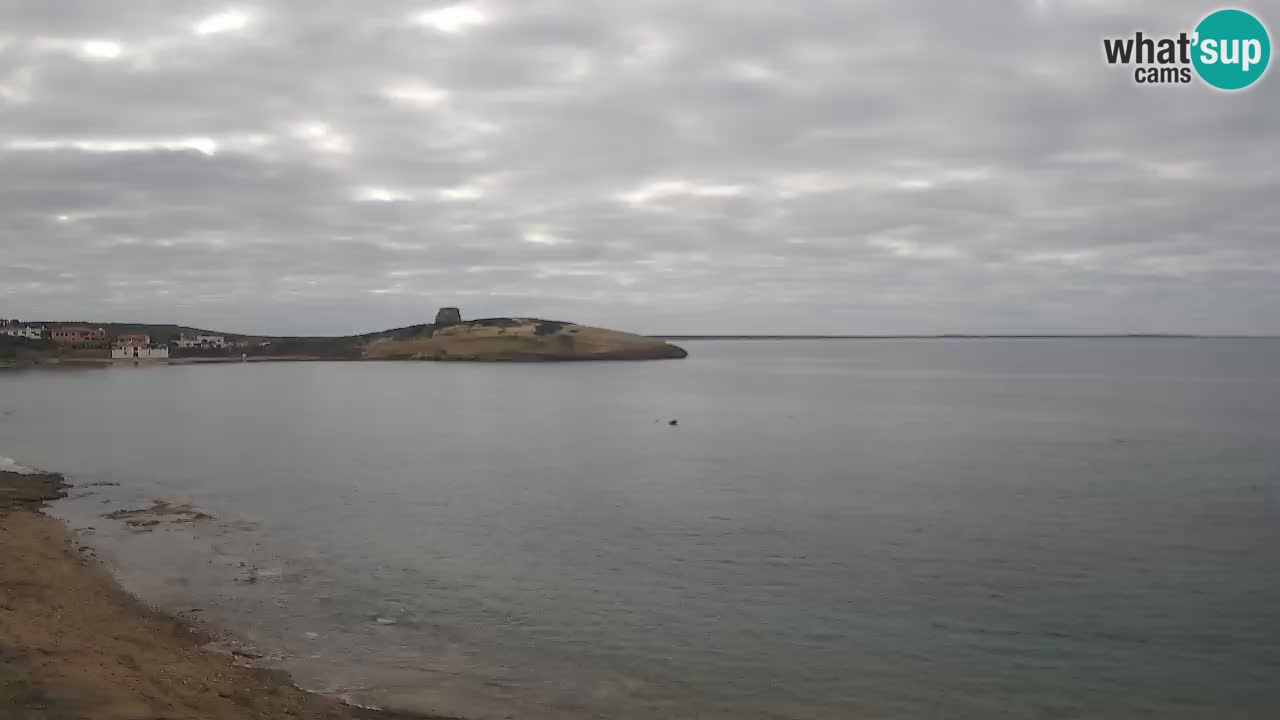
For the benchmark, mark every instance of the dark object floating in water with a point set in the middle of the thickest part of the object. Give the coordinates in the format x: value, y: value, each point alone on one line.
x: 673, y: 422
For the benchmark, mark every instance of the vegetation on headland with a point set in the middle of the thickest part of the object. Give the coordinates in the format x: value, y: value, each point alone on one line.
x: 25, y: 351
x: 515, y: 339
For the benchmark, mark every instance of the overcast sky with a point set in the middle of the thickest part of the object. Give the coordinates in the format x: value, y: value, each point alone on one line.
x: 909, y: 166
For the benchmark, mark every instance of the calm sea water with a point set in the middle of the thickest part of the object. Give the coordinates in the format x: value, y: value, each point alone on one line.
x: 835, y: 529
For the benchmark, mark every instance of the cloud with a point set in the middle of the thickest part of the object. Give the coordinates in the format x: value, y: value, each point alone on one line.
x: 453, y: 19
x: 100, y: 49
x: 657, y: 165
x: 223, y: 22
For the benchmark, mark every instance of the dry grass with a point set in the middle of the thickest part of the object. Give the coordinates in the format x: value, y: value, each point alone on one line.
x: 522, y: 339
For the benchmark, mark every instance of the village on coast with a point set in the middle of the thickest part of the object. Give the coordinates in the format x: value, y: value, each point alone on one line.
x: 91, y: 341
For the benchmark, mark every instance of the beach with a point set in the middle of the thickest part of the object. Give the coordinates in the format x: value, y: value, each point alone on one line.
x: 76, y: 646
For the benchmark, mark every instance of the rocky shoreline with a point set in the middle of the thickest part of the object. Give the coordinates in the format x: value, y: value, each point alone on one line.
x: 74, y: 645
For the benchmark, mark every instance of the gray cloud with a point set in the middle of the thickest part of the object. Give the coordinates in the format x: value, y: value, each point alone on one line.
x: 659, y: 165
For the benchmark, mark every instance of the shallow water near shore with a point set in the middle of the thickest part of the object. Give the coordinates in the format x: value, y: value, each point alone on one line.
x: 883, y: 529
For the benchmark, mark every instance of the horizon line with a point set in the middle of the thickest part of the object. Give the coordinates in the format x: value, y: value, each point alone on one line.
x: 760, y: 336
x: 962, y: 336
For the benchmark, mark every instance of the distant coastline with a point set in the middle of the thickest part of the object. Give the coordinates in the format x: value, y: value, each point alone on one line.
x: 448, y: 338
x: 1132, y: 336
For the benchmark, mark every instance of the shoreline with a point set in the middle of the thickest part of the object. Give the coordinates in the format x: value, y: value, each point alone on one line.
x: 82, y: 362
x: 76, y: 645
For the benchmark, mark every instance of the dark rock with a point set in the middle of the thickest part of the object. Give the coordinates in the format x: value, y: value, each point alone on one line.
x: 547, y: 327
x: 30, y: 492
x: 159, y: 510
x: 448, y: 316
x: 497, y: 322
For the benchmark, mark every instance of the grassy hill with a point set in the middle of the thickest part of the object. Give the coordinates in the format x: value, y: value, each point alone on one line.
x: 515, y: 339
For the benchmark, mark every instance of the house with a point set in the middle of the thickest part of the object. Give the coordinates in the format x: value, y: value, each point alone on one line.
x: 137, y: 346
x: 130, y: 351
x: 31, y: 332
x: 202, y: 341
x: 79, y: 336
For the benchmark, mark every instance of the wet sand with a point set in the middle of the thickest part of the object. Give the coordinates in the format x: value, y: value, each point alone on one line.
x: 74, y: 645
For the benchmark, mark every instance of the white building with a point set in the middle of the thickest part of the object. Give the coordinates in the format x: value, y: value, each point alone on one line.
x: 202, y: 341
x: 23, y: 331
x: 137, y: 346
x: 140, y: 352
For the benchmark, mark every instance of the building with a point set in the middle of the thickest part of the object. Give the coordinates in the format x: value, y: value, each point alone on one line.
x: 202, y: 341
x: 447, y: 316
x: 139, y: 352
x: 31, y: 332
x: 137, y: 346
x: 79, y: 336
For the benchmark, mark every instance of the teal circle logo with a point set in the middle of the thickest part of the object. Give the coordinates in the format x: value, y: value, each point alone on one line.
x: 1232, y: 49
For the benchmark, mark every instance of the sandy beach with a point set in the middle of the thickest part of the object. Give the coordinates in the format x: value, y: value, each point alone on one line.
x: 74, y: 645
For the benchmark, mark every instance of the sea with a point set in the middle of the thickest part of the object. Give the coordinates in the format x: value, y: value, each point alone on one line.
x: 906, y: 528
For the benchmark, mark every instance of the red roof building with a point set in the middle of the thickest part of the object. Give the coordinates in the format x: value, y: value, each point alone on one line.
x: 76, y: 335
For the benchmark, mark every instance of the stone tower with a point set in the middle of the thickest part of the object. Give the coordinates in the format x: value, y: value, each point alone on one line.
x: 448, y: 316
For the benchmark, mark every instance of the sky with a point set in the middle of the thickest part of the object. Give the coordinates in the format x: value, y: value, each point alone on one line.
x: 659, y: 166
